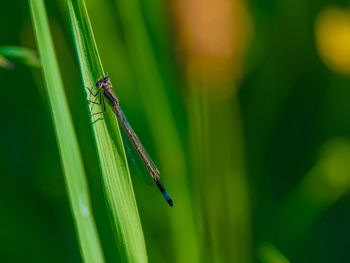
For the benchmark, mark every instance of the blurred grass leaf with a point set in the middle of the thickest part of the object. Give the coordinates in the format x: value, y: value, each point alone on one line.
x: 112, y: 159
x: 267, y: 253
x: 5, y: 63
x: 76, y: 184
x: 324, y: 185
x: 21, y: 55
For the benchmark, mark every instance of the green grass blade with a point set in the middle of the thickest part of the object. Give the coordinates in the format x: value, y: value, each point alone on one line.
x: 70, y: 156
x: 21, y: 54
x: 162, y: 125
x: 115, y: 172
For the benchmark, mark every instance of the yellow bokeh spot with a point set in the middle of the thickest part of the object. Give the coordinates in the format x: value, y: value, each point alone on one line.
x: 333, y: 38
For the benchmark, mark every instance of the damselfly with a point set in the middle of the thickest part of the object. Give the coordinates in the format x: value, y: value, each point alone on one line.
x: 104, y: 86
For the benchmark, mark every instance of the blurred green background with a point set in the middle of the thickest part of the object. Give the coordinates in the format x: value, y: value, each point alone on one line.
x: 244, y: 106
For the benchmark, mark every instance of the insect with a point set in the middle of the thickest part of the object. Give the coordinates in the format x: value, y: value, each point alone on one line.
x: 104, y: 86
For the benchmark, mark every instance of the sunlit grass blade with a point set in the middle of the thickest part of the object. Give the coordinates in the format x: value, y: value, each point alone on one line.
x: 77, y: 188
x: 114, y: 168
x: 20, y: 54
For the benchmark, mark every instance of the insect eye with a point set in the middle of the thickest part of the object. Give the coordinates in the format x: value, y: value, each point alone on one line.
x: 106, y: 79
x: 98, y: 84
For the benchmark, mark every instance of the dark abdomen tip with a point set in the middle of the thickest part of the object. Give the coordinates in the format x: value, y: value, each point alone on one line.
x: 164, y: 193
x: 168, y: 198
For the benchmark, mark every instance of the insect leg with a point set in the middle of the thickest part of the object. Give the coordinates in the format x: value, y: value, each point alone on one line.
x: 98, y: 91
x: 102, y: 101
